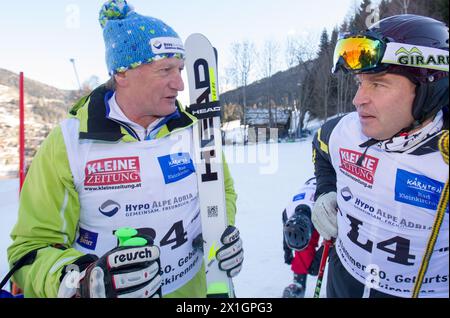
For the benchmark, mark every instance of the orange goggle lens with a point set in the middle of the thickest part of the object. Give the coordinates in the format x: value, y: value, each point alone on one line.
x: 358, y: 53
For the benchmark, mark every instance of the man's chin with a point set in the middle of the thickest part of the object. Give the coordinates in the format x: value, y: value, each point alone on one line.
x: 164, y: 114
x: 167, y: 109
x: 369, y: 133
x: 375, y: 135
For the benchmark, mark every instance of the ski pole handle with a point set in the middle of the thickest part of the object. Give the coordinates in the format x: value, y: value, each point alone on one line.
x: 323, y: 262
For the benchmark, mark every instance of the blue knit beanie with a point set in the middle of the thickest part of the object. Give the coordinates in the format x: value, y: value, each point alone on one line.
x: 132, y: 39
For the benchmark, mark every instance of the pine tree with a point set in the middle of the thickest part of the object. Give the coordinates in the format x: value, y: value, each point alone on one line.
x: 333, y: 39
x: 437, y: 9
x: 322, y: 78
x: 362, y: 16
x: 344, y: 28
x: 324, y: 44
x: 443, y: 9
x: 385, y: 9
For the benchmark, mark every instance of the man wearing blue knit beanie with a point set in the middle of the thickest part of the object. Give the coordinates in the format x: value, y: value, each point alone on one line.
x: 110, y: 204
x: 132, y: 39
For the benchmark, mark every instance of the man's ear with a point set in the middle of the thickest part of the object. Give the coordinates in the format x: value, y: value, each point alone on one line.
x: 121, y: 79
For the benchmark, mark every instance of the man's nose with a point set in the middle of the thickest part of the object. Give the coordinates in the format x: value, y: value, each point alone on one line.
x: 361, y: 97
x: 177, y: 82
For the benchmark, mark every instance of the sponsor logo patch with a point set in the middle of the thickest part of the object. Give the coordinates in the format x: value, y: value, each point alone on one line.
x: 417, y: 190
x: 112, y: 172
x: 378, y: 212
x: 416, y: 57
x: 347, y: 194
x: 176, y: 167
x: 109, y: 208
x: 299, y: 197
x: 364, y: 174
x: 164, y: 45
x: 170, y: 204
x: 133, y: 256
x: 87, y: 239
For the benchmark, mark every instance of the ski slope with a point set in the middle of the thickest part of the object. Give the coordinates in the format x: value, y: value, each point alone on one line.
x: 266, y: 176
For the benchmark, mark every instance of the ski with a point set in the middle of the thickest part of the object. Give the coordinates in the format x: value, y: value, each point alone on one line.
x: 201, y: 67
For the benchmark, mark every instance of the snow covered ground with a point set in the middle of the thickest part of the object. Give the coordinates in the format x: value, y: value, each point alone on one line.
x: 266, y: 177
x: 9, y: 198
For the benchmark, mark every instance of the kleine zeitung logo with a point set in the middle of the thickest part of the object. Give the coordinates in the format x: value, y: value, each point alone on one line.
x: 365, y: 172
x: 112, y: 171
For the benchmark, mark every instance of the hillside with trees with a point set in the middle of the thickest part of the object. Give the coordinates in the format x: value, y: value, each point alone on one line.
x: 307, y: 85
x: 45, y: 107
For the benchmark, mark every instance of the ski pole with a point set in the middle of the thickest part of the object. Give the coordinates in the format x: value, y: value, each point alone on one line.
x: 440, y: 214
x: 323, y: 262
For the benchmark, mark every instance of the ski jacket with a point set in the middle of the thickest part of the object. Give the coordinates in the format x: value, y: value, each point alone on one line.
x: 91, y: 176
x: 387, y: 199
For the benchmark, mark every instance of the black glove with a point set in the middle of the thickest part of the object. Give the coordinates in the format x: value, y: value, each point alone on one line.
x: 288, y: 256
x: 124, y: 272
x: 313, y: 269
x: 231, y: 254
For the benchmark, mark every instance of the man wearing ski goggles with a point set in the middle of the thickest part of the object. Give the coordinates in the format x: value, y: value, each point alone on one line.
x: 380, y: 174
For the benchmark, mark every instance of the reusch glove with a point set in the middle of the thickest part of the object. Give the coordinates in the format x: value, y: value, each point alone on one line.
x: 124, y: 272
x: 231, y: 255
x: 324, y: 215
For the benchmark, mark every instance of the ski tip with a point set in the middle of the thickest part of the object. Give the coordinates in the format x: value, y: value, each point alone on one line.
x: 196, y: 37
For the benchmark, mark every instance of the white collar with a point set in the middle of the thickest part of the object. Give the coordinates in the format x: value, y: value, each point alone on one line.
x: 115, y: 112
x: 407, y: 142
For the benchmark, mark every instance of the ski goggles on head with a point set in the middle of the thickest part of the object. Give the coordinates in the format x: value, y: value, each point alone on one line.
x: 358, y: 53
x: 367, y: 53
